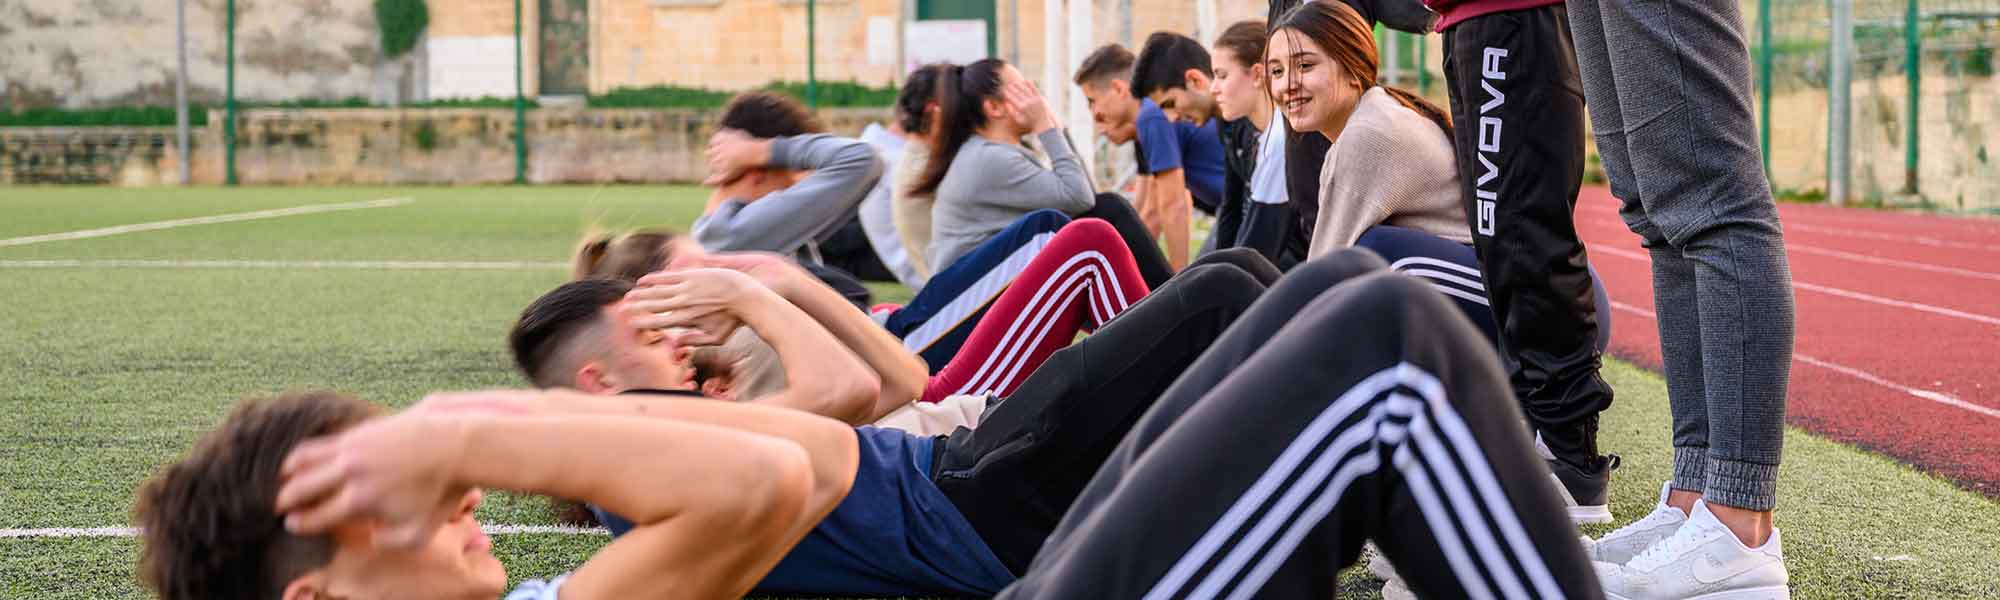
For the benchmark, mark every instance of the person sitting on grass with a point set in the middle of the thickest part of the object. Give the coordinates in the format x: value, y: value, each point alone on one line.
x: 1180, y: 162
x: 985, y: 180
x: 781, y: 184
x: 978, y: 333
x: 1279, y: 462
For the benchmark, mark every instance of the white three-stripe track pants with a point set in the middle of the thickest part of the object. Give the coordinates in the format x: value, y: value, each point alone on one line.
x: 1348, y: 404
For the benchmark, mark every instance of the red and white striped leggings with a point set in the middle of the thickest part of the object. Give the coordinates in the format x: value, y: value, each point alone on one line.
x: 1083, y: 278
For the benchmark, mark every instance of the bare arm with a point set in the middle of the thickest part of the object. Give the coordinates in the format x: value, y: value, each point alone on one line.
x: 902, y: 373
x: 821, y: 376
x: 1171, y: 195
x: 738, y: 500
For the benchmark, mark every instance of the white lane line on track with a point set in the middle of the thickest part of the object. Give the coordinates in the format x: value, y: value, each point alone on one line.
x: 126, y: 532
x: 1849, y: 294
x: 208, y: 220
x: 1933, y: 396
x: 1891, y: 262
x: 1892, y: 237
x: 1877, y: 260
x: 280, y: 264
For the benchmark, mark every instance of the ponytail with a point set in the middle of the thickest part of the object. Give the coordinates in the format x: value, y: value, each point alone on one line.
x: 627, y: 257
x: 962, y: 94
x: 589, y: 254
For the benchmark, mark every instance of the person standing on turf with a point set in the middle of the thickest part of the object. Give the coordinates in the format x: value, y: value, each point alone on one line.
x: 1515, y: 96
x: 1668, y: 86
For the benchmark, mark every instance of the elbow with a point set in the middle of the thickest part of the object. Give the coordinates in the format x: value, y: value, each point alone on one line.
x: 856, y: 396
x: 778, y: 492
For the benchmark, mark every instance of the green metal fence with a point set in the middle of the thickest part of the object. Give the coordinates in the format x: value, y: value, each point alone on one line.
x: 1924, y: 104
x: 1931, y: 139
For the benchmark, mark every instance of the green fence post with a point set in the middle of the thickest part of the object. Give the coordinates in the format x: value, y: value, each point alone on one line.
x: 812, y: 36
x: 520, y: 105
x: 229, y: 95
x: 1764, y: 85
x: 1423, y: 64
x: 1914, y: 66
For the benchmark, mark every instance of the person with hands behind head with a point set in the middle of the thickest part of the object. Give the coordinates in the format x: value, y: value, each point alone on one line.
x: 318, y: 495
x: 781, y: 184
x: 983, y: 178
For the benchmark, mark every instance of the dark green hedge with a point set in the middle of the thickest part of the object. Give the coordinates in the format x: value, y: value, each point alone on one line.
x: 831, y: 94
x: 402, y: 22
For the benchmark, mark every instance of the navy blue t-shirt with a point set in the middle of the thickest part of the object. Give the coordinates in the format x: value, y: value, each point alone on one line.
x: 1166, y: 145
x: 895, y: 534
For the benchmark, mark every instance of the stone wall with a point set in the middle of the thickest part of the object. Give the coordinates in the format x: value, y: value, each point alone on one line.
x: 78, y: 54
x: 386, y: 146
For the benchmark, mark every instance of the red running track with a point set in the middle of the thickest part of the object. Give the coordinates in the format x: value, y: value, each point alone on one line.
x: 1898, y: 347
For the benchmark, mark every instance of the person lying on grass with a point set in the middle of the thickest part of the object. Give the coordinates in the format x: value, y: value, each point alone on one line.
x: 947, y: 514
x: 1259, y: 472
x: 1003, y: 326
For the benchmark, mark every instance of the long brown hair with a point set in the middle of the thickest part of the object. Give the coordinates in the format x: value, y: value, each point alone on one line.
x: 962, y: 95
x: 1348, y: 40
x: 627, y: 256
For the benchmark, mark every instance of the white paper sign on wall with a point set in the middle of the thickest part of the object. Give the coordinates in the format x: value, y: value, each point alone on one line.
x: 957, y: 41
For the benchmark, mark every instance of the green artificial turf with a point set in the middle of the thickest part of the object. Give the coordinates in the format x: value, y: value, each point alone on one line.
x: 106, y: 373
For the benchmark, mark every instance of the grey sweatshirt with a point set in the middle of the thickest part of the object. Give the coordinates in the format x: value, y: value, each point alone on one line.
x: 989, y: 185
x: 843, y: 172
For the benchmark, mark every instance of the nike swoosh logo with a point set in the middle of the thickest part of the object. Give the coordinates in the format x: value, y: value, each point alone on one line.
x: 1708, y: 570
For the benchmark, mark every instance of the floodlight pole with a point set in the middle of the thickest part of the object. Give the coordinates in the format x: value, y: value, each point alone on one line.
x: 1840, y: 113
x: 1764, y: 52
x: 812, y: 35
x: 229, y: 95
x: 1914, y: 66
x: 520, y: 105
x: 181, y: 87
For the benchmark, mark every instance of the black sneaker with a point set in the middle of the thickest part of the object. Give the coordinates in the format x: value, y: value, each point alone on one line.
x: 1585, y: 492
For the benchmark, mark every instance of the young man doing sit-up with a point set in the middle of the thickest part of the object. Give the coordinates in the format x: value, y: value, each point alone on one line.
x: 955, y: 514
x: 1259, y: 472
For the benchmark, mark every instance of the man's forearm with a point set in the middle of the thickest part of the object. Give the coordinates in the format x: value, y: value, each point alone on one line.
x: 821, y: 376
x: 626, y: 460
x: 903, y: 374
x: 830, y: 443
x: 1170, y: 190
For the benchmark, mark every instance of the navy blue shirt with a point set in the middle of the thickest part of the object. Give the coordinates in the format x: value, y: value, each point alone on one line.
x: 1165, y: 145
x: 895, y: 534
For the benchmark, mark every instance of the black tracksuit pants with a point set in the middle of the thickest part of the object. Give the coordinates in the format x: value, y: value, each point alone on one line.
x: 1348, y: 404
x: 1518, y: 108
x: 1016, y: 474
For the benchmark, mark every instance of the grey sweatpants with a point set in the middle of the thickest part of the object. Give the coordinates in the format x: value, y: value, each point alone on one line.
x: 1668, y: 87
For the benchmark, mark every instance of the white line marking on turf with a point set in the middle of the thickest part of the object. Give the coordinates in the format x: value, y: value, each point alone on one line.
x: 1849, y: 294
x: 1938, y: 397
x: 279, y: 264
x: 208, y: 220
x: 126, y: 532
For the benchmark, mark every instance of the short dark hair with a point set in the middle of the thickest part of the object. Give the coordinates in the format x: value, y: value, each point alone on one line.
x: 1110, y: 61
x: 553, y: 319
x: 768, y: 115
x: 209, y: 525
x: 1164, y: 62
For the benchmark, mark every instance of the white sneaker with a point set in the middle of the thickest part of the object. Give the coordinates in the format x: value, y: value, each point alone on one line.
x: 1702, y: 560
x: 1392, y: 584
x: 1618, y: 547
